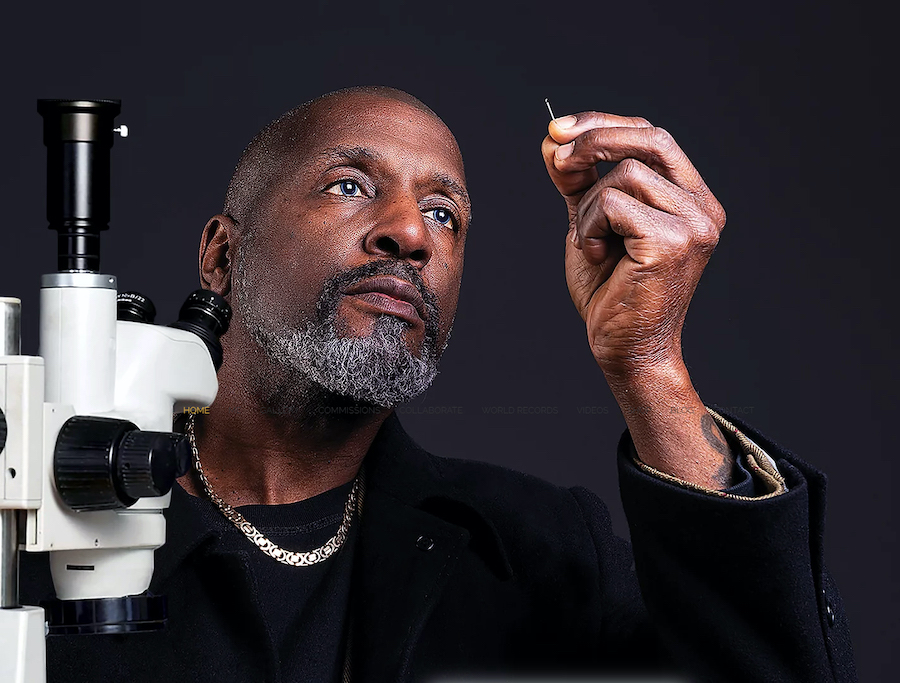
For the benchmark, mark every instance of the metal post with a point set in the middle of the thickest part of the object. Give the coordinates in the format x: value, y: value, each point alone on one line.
x: 10, y: 328
x: 9, y: 555
x: 10, y: 345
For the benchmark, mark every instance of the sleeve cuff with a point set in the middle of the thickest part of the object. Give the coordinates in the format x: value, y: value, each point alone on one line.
x: 758, y: 476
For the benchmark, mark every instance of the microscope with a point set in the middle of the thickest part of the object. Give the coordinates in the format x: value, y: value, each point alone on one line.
x: 88, y: 457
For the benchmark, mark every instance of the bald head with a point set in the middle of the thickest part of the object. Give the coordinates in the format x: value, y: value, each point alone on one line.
x: 274, y: 151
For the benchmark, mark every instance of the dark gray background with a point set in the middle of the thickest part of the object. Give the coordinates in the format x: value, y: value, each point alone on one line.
x: 783, y: 108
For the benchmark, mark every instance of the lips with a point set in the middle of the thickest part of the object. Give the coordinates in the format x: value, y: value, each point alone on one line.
x: 392, y: 295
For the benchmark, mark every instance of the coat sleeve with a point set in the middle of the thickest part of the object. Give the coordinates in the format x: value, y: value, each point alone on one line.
x: 735, y: 589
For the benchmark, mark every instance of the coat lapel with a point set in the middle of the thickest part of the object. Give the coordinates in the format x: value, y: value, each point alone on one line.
x: 414, y: 528
x: 405, y: 557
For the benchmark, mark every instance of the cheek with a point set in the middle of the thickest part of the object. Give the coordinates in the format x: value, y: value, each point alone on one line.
x: 448, y: 293
x: 302, y: 254
x: 288, y: 281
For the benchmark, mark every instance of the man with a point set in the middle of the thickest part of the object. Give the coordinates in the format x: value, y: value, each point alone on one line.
x: 317, y: 542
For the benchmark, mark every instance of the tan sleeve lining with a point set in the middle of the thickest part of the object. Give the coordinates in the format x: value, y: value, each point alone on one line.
x: 762, y: 467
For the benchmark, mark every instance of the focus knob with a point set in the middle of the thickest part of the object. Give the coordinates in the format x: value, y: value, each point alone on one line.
x: 2, y: 431
x: 83, y: 462
x: 149, y: 463
x: 102, y: 463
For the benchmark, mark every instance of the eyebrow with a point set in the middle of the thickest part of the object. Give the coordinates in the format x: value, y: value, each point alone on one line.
x: 364, y: 154
x: 455, y: 187
x: 345, y: 153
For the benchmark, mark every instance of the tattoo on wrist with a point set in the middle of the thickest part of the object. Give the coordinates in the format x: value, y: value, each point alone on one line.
x: 715, y: 439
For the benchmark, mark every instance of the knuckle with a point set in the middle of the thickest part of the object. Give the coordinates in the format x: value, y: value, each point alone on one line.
x: 630, y: 168
x: 661, y: 139
x: 707, y: 233
x: 594, y: 137
x: 607, y: 197
x: 603, y: 118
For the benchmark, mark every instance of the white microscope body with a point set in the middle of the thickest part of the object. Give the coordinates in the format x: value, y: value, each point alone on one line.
x: 87, y: 455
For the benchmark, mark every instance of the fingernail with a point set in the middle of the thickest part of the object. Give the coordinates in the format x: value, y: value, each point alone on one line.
x: 574, y: 237
x: 566, y: 121
x: 565, y: 151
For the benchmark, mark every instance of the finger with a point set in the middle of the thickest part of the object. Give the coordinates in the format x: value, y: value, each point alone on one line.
x: 603, y: 255
x: 647, y: 186
x: 566, y: 128
x: 650, y: 235
x: 653, y: 146
x: 654, y: 217
x: 570, y: 185
x: 594, y: 223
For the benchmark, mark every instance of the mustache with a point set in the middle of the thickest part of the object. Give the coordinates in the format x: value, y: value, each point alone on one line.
x: 333, y: 288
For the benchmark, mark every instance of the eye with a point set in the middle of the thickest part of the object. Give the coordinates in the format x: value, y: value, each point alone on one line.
x: 442, y: 216
x: 345, y: 188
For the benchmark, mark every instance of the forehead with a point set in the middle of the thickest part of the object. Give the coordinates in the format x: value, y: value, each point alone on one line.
x: 390, y: 129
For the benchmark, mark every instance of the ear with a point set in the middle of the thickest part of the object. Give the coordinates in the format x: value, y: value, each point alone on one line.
x: 217, y: 254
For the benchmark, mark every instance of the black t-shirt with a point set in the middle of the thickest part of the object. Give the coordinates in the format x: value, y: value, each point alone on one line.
x: 305, y: 608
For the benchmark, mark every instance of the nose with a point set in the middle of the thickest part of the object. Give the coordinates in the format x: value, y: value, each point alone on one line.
x: 401, y: 233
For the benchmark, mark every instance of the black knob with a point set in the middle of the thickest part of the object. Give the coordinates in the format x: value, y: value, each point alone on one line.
x: 2, y: 431
x: 149, y: 462
x: 83, y: 464
x: 103, y: 463
x: 135, y: 307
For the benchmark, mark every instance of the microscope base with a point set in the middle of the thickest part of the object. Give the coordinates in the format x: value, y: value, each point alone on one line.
x: 95, y: 616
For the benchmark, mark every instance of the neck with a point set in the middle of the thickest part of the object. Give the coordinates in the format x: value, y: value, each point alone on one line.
x: 256, y: 450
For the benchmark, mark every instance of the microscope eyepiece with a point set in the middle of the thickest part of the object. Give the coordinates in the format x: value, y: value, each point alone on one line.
x: 207, y: 315
x: 78, y: 135
x: 135, y: 307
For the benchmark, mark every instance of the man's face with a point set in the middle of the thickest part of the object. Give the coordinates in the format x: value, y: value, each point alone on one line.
x: 353, y: 274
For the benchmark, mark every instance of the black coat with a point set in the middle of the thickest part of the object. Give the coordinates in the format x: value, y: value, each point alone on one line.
x: 522, y: 576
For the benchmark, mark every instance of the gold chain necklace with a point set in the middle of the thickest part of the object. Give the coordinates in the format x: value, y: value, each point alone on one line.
x: 294, y: 559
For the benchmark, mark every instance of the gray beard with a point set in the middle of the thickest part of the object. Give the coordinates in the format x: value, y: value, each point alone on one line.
x: 313, y: 368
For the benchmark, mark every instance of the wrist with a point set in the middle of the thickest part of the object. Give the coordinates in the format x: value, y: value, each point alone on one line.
x: 671, y: 429
x: 640, y: 384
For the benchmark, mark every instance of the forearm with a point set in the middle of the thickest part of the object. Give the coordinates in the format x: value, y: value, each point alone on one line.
x: 671, y: 428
